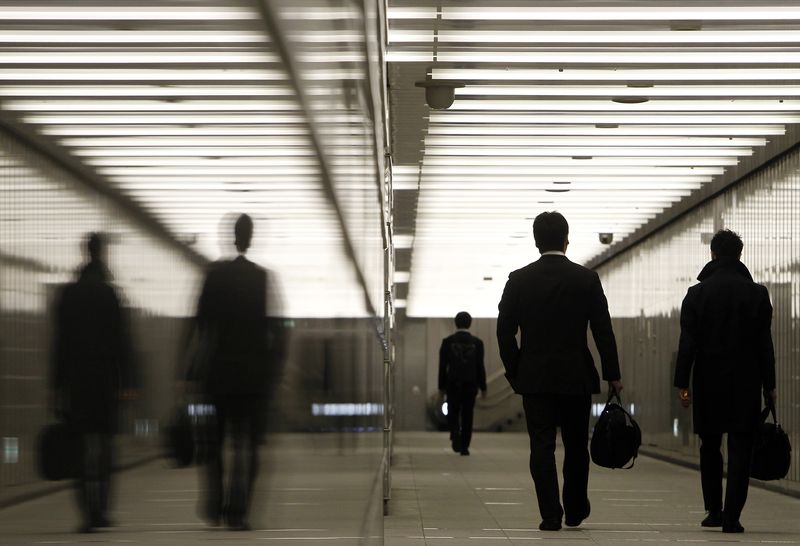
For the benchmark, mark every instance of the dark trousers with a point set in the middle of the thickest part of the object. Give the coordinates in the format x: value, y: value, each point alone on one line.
x: 243, y: 416
x: 93, y: 486
x: 740, y: 448
x: 460, y: 408
x: 543, y: 413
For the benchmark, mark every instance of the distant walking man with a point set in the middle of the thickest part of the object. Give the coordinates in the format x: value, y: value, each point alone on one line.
x: 551, y: 301
x: 726, y: 339
x: 461, y: 374
x: 236, y: 375
x: 91, y: 359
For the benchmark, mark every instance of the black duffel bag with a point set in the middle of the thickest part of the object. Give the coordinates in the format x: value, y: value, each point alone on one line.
x: 58, y: 452
x: 772, y: 453
x: 616, y: 437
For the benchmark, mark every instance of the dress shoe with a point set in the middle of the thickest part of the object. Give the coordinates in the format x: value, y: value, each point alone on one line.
x: 465, y: 451
x: 103, y: 521
x: 713, y: 519
x: 732, y: 527
x: 550, y: 525
x: 574, y: 522
x: 239, y: 525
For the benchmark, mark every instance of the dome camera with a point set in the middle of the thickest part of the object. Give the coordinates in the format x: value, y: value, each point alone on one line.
x: 439, y: 94
x: 606, y: 238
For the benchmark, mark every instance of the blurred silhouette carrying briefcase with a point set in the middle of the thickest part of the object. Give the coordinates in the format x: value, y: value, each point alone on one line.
x: 772, y: 453
x: 59, y: 452
x: 616, y: 437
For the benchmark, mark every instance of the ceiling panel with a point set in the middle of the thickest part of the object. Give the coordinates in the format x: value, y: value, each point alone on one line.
x: 609, y: 112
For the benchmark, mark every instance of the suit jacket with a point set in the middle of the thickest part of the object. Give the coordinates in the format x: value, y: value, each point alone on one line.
x: 232, y: 323
x: 456, y: 350
x: 726, y: 340
x: 551, y: 301
x: 91, y: 351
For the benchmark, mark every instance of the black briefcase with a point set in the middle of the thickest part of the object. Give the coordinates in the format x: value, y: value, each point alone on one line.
x: 616, y: 437
x: 179, y: 438
x: 772, y: 453
x: 58, y: 452
x: 191, y: 437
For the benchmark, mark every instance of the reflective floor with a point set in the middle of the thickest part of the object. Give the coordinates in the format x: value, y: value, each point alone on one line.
x: 312, y: 489
x: 440, y: 498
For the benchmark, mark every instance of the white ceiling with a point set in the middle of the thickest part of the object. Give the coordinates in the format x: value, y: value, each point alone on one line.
x: 609, y: 112
x: 187, y: 108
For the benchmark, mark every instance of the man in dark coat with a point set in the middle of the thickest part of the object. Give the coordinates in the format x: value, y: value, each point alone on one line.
x: 551, y: 301
x: 726, y: 340
x: 235, y: 374
x: 461, y: 374
x: 91, y: 357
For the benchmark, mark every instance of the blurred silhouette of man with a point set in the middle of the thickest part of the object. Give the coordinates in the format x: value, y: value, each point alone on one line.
x: 551, y: 301
x: 236, y: 375
x: 461, y: 374
x: 726, y: 341
x: 92, y: 371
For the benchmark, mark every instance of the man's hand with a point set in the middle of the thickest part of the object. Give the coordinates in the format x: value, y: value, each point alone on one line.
x: 685, y: 397
x: 442, y: 394
x: 770, y: 397
x: 615, y: 386
x: 483, y: 394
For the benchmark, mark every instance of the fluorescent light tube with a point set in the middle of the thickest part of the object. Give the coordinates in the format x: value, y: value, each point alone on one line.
x: 592, y: 130
x: 597, y: 75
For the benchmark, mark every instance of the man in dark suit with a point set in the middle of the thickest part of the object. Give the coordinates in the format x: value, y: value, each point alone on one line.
x: 726, y: 339
x: 91, y: 373
x: 461, y: 374
x: 551, y: 301
x: 236, y: 374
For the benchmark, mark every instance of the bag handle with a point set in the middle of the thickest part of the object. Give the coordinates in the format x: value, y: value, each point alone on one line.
x: 612, y: 393
x: 766, y: 411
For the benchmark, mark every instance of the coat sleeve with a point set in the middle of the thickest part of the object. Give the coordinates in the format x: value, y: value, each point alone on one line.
x: 129, y: 377
x: 507, y: 326
x: 443, y: 365
x: 766, y: 351
x: 687, y: 346
x: 199, y: 329
x: 603, y: 333
x: 58, y: 360
x: 481, y: 367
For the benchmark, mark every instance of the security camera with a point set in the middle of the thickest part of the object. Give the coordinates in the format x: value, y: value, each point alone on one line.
x: 439, y: 94
x: 606, y: 238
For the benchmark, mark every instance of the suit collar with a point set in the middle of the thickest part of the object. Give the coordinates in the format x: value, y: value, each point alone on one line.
x: 731, y: 265
x: 553, y: 257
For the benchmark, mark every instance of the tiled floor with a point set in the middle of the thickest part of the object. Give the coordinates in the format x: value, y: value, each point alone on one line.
x: 443, y: 499
x: 317, y: 490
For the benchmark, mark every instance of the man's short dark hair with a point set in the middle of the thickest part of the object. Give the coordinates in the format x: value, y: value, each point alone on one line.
x: 727, y: 244
x: 243, y: 230
x: 550, y: 231
x: 463, y: 320
x: 94, y: 245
